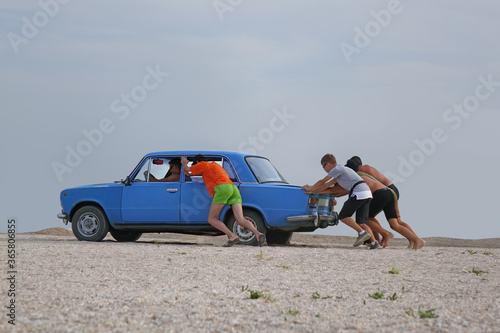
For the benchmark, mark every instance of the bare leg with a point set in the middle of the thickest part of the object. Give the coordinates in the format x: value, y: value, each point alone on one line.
x: 377, y: 229
x: 241, y: 220
x: 214, y: 221
x: 406, y: 225
x: 369, y: 231
x: 351, y: 223
x: 418, y: 243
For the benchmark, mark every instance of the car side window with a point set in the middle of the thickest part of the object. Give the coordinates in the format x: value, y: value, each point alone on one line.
x: 222, y: 162
x: 141, y: 176
x: 159, y: 168
x: 229, y: 170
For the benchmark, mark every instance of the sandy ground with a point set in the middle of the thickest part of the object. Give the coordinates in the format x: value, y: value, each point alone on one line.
x: 185, y: 283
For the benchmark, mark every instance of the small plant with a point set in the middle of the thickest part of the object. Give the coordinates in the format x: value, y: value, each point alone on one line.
x: 393, y: 297
x: 316, y: 295
x: 427, y: 313
x: 487, y: 253
x: 394, y: 270
x: 260, y: 256
x: 477, y: 271
x: 295, y: 296
x: 472, y: 252
x: 283, y: 266
x: 377, y: 295
x: 182, y: 253
x: 293, y: 312
x: 410, y: 313
x: 423, y: 314
x: 256, y: 294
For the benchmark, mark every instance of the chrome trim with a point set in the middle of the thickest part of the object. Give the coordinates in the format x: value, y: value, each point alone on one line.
x: 301, y: 218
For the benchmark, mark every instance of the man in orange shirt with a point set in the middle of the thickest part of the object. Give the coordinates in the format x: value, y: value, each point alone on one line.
x: 223, y: 191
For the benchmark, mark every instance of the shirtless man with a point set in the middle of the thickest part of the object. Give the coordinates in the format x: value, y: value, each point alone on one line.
x: 373, y: 172
x: 356, y: 164
x: 384, y: 199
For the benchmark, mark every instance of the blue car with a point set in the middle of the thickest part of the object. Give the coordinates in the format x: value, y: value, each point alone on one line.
x: 143, y: 203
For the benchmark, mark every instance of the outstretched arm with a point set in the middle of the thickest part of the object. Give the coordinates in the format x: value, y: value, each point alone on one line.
x: 185, y: 168
x: 320, y: 185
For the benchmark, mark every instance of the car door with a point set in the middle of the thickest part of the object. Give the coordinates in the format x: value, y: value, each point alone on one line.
x: 145, y: 201
x: 195, y: 199
x: 195, y: 202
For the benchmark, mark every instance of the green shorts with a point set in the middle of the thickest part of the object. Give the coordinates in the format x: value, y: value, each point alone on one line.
x: 226, y: 194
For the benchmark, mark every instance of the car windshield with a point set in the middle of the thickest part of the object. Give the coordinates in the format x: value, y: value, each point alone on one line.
x: 264, y: 171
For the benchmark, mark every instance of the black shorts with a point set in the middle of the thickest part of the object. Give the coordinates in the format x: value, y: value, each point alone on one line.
x: 395, y: 189
x: 361, y: 207
x: 384, y: 200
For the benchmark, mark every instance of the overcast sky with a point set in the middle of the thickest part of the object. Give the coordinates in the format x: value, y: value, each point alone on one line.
x: 412, y: 87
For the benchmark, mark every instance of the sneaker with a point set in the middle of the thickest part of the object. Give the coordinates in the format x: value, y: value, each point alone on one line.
x: 361, y: 238
x: 375, y: 246
x: 367, y: 242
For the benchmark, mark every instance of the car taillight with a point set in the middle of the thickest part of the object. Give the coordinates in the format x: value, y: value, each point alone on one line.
x: 313, y: 200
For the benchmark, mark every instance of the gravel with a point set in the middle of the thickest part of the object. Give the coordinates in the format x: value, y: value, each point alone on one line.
x: 189, y: 283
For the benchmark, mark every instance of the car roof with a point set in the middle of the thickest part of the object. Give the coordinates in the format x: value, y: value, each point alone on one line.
x: 230, y: 154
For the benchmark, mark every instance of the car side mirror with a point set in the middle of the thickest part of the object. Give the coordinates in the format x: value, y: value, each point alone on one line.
x: 126, y: 181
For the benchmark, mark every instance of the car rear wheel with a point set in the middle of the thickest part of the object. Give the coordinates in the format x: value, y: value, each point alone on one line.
x: 90, y: 224
x: 245, y: 235
x: 125, y: 236
x: 278, y: 237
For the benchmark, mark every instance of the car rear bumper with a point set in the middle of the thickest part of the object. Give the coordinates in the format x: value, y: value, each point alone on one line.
x: 320, y: 221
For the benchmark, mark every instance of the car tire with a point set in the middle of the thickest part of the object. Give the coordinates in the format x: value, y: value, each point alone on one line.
x: 125, y: 236
x: 90, y: 224
x: 279, y: 237
x: 246, y: 236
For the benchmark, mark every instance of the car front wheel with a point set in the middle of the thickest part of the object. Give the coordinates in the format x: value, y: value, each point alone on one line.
x: 246, y: 236
x: 90, y: 224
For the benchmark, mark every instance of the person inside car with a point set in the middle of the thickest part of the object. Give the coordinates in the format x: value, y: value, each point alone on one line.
x: 173, y: 174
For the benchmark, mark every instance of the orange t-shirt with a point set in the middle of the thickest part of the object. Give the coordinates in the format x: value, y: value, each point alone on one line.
x: 212, y: 173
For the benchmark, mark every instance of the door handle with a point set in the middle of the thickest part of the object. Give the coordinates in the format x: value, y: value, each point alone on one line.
x: 172, y: 190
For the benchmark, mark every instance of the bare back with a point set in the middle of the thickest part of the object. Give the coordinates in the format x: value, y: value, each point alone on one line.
x: 375, y: 173
x: 372, y: 184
